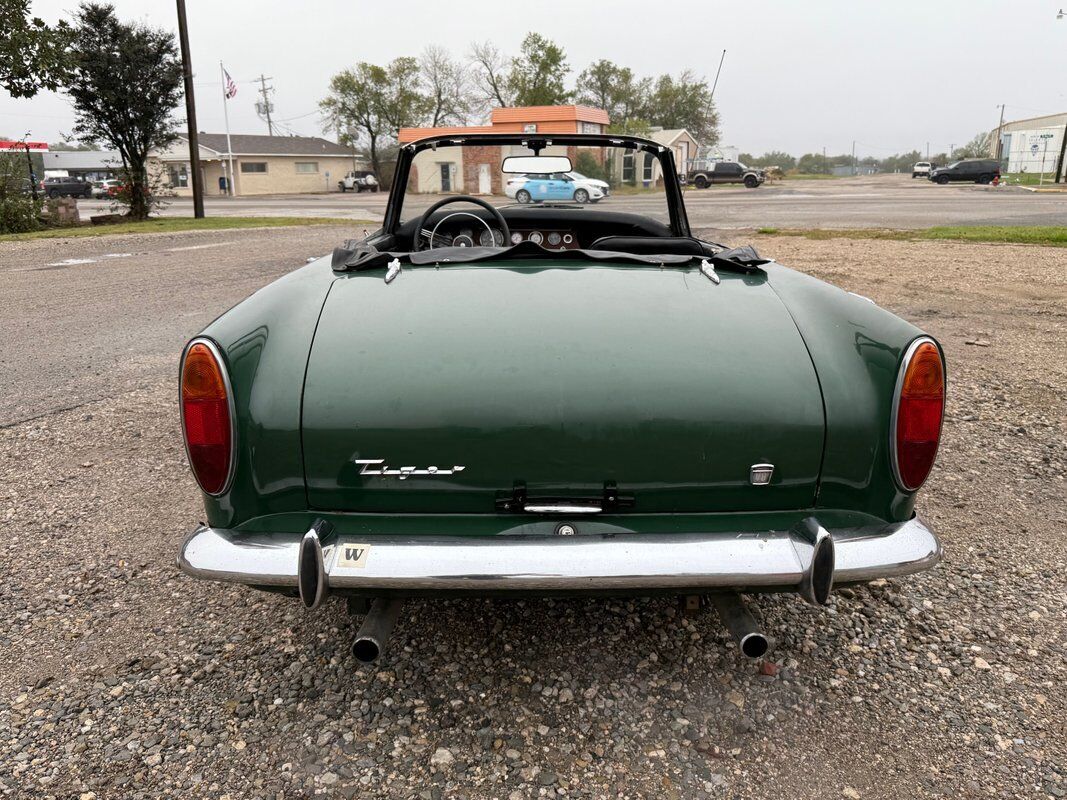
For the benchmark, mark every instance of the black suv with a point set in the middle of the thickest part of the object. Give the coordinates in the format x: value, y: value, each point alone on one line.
x: 974, y: 170
x: 64, y: 187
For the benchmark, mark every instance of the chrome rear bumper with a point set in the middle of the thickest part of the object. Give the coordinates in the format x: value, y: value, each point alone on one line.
x: 774, y: 560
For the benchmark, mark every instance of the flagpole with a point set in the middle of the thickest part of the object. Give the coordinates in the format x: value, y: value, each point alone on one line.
x: 231, y: 188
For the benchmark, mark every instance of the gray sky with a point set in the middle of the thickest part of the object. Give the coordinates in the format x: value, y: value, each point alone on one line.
x: 798, y: 77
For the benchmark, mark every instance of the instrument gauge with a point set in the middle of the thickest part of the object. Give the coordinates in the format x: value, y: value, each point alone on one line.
x: 516, y: 237
x: 487, y: 239
x: 554, y: 239
x: 536, y: 237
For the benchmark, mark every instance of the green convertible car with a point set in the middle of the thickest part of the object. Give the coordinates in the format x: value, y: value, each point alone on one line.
x: 492, y: 399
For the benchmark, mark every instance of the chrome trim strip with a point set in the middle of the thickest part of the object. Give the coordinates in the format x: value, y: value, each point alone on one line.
x: 628, y: 561
x: 560, y: 508
x: 216, y: 353
x: 901, y: 371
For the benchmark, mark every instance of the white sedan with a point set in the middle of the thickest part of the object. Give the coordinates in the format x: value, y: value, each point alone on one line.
x: 558, y: 186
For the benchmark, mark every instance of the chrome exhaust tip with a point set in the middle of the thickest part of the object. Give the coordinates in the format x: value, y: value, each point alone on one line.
x: 373, y: 634
x: 310, y: 567
x: 816, y: 550
x: 742, y: 625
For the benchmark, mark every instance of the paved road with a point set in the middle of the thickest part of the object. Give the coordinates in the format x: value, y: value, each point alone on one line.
x: 82, y: 320
x: 893, y: 201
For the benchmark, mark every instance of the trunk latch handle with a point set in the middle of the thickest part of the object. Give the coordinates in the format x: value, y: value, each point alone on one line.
x: 520, y: 502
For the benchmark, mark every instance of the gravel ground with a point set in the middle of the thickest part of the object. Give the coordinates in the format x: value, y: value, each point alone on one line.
x: 121, y: 678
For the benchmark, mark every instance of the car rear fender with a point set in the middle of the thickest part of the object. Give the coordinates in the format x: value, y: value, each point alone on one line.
x: 265, y: 341
x: 856, y: 348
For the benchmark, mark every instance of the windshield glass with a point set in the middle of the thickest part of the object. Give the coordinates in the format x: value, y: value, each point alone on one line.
x: 634, y: 179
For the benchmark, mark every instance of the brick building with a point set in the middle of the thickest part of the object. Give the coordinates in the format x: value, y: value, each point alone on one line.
x: 476, y: 170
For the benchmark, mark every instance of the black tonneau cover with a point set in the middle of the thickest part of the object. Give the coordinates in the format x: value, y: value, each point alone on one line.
x: 359, y: 256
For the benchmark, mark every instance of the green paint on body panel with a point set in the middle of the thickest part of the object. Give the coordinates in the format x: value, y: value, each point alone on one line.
x: 563, y: 377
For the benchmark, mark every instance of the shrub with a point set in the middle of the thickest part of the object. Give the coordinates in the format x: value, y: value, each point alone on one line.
x: 19, y: 211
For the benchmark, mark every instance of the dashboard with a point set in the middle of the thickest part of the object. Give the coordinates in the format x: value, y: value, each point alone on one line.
x: 550, y: 239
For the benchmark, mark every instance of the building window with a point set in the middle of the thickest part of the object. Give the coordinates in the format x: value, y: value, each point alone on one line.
x: 628, y: 169
x: 253, y: 166
x: 649, y: 161
x: 591, y: 127
x: 178, y: 175
x: 307, y: 167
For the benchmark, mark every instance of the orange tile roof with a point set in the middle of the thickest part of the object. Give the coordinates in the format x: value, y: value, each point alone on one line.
x: 549, y: 119
x: 414, y: 134
x: 550, y: 114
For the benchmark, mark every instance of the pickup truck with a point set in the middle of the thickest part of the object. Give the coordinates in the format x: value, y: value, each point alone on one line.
x: 702, y: 173
x: 358, y: 181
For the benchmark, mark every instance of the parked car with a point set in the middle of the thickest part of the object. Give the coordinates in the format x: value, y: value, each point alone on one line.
x: 513, y: 184
x: 558, y: 186
x: 972, y: 170
x: 921, y: 169
x: 704, y: 173
x: 66, y: 187
x: 106, y: 188
x: 464, y: 403
x: 358, y: 181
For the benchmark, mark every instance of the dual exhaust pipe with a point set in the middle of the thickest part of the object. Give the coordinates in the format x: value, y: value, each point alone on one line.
x: 813, y: 543
x: 311, y: 585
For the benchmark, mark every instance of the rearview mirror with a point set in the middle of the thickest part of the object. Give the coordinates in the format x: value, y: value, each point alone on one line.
x: 539, y: 165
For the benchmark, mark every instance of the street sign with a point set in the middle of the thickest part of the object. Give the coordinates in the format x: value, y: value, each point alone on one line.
x: 37, y: 147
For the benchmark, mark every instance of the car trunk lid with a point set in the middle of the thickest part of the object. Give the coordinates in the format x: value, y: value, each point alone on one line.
x: 453, y: 389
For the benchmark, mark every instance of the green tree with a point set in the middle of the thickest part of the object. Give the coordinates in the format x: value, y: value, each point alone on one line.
x: 813, y: 164
x: 538, y: 73
x: 604, y: 84
x: 684, y: 102
x: 774, y: 158
x: 33, y: 56
x: 125, y: 82
x: 372, y: 103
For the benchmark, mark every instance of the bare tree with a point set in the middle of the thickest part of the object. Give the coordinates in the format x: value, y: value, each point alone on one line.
x: 493, y: 74
x: 448, y: 86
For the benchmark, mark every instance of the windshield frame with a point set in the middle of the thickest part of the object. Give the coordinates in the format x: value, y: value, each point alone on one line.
x: 679, y: 221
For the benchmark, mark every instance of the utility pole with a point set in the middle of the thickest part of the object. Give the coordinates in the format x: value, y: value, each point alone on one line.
x: 190, y: 114
x: 927, y: 151
x: 264, y: 89
x: 1063, y: 141
x: 29, y: 166
x: 1000, y: 126
x: 854, y: 170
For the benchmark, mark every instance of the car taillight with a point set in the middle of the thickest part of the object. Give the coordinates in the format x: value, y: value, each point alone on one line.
x: 920, y: 406
x: 206, y: 416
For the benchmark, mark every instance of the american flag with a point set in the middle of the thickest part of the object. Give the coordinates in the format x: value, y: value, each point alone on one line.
x: 231, y: 87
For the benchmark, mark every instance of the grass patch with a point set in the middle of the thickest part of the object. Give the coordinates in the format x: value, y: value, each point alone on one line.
x: 178, y: 224
x: 1047, y: 235
x: 1030, y: 178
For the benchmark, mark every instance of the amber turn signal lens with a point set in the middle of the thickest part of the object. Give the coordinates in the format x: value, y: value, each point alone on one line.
x: 206, y: 418
x: 920, y: 409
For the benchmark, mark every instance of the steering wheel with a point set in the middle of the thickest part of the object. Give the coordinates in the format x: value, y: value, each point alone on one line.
x: 421, y: 231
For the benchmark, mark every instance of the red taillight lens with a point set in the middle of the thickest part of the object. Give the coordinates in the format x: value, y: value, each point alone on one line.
x: 206, y: 418
x: 920, y: 408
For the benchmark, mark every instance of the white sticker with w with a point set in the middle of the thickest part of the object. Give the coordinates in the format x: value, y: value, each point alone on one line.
x: 352, y: 556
